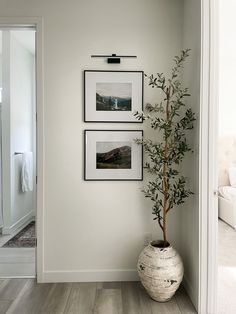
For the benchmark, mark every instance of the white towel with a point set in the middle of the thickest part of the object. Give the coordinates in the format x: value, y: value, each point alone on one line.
x: 27, y: 172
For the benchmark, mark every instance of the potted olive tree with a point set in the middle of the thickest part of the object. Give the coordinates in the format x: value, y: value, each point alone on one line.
x: 160, y: 266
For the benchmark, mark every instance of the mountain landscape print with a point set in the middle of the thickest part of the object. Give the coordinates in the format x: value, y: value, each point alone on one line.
x: 113, y: 155
x: 113, y: 96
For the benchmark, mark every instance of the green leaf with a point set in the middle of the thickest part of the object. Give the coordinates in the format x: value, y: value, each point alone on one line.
x: 170, y: 120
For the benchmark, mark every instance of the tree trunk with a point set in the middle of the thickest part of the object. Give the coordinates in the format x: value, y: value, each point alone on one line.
x: 165, y: 184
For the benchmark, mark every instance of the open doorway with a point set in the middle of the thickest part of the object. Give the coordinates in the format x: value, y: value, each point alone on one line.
x: 18, y: 152
x: 227, y: 160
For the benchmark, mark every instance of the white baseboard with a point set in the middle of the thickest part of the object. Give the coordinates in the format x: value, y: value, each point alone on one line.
x: 21, y: 223
x: 90, y: 275
x: 189, y: 289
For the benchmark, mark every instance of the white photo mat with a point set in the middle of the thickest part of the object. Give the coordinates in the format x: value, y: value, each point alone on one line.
x: 92, y: 137
x: 92, y: 78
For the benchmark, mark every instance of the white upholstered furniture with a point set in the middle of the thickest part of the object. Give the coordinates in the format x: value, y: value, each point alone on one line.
x: 227, y: 159
x: 227, y: 211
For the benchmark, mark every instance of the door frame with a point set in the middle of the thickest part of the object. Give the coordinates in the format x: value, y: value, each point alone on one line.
x: 208, y: 185
x: 37, y: 24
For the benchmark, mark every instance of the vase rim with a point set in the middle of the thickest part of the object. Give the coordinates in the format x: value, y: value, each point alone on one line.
x: 159, y: 244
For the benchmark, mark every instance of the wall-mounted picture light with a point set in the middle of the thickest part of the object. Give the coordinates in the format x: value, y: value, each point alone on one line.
x: 113, y: 58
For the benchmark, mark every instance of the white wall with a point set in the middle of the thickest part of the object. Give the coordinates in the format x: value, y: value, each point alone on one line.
x: 22, y: 128
x: 227, y: 67
x: 189, y: 214
x: 1, y: 214
x: 0, y: 59
x: 6, y: 126
x: 0, y: 66
x: 18, y: 131
x: 90, y: 227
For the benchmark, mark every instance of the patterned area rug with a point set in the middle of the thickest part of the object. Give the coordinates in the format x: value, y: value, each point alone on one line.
x: 25, y: 238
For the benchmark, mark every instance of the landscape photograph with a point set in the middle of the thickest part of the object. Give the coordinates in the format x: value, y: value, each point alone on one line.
x: 113, y: 155
x: 113, y: 96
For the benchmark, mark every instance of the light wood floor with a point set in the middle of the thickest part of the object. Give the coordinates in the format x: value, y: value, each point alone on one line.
x: 25, y: 296
x: 226, y: 269
x: 17, y: 262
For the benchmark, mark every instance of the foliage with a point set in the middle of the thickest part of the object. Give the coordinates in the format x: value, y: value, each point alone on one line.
x: 172, y: 120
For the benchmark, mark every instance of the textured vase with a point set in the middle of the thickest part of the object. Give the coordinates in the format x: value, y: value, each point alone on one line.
x: 160, y: 271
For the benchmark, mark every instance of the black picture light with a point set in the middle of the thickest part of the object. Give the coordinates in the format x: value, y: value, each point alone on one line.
x: 113, y: 58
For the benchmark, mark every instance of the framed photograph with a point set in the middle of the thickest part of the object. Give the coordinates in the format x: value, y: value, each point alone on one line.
x: 112, y: 155
x: 112, y: 96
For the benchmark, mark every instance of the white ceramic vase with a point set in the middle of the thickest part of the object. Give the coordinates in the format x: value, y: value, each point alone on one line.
x: 160, y: 271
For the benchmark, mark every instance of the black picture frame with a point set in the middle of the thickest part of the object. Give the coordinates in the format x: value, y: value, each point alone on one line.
x: 91, y: 114
x: 92, y: 173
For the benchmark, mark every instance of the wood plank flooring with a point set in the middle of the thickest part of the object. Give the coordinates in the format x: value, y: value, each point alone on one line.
x: 226, y: 269
x: 25, y: 296
x: 18, y: 262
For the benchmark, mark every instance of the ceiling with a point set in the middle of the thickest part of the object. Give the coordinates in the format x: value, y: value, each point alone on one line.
x: 25, y: 37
